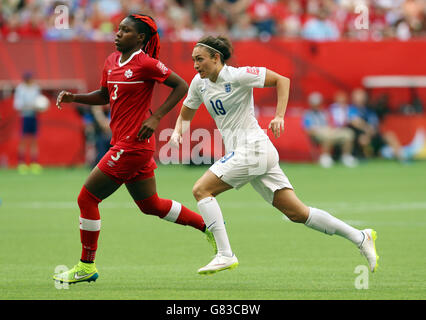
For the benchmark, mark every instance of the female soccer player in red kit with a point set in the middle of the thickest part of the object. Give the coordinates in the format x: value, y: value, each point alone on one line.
x: 127, y: 83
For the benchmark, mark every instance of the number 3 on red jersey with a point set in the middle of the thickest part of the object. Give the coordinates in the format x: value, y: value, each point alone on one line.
x: 114, y: 94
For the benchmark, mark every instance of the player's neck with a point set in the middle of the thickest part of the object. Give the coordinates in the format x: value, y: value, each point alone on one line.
x: 126, y: 55
x: 213, y: 77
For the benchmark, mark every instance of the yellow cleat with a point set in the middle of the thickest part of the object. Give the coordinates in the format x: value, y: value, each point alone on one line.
x: 368, y: 249
x: 36, y: 168
x: 81, y: 272
x: 23, y: 169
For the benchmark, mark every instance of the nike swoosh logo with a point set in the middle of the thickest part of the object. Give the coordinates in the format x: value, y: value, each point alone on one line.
x: 77, y: 277
x: 211, y: 224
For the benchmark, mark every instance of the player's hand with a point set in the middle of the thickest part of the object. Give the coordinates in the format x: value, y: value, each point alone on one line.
x: 64, y: 96
x: 148, y: 128
x: 276, y: 125
x: 175, y: 140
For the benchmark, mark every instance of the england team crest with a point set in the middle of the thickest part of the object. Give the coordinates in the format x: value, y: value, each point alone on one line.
x: 227, y: 87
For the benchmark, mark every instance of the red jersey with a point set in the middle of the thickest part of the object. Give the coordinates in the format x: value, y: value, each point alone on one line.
x: 130, y: 85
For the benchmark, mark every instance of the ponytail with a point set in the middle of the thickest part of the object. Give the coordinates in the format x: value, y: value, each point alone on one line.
x: 147, y: 25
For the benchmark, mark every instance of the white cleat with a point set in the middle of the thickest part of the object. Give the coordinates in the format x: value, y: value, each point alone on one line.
x: 219, y: 263
x: 326, y: 161
x: 368, y: 248
x: 349, y: 161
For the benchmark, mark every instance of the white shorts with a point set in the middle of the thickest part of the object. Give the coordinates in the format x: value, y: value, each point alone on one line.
x: 258, y: 164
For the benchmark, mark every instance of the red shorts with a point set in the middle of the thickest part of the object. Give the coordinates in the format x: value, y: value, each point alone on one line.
x: 126, y: 166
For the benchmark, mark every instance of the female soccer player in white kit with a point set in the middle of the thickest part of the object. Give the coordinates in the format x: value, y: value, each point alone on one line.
x: 227, y: 93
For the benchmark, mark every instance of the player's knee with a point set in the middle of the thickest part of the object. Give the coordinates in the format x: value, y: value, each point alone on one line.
x: 86, y: 199
x: 199, y: 192
x: 154, y: 206
x: 196, y: 191
x: 88, y: 204
x: 147, y: 207
x: 295, y: 215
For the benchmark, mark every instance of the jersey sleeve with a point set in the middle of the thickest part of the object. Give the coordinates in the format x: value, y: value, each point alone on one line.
x: 253, y: 77
x: 155, y: 70
x: 193, y: 100
x: 104, y: 77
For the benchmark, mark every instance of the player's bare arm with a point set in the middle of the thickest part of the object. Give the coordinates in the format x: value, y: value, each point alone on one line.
x: 282, y: 85
x: 98, y: 97
x: 180, y: 87
x: 182, y: 125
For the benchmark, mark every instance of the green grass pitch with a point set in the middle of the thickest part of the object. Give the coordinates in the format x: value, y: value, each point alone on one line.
x: 143, y: 257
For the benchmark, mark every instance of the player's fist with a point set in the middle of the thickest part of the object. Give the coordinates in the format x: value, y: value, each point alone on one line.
x: 276, y: 125
x: 64, y: 96
x: 175, y: 140
x: 148, y: 128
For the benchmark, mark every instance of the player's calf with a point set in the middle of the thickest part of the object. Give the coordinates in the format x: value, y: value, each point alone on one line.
x: 172, y: 211
x: 90, y: 224
x: 287, y: 202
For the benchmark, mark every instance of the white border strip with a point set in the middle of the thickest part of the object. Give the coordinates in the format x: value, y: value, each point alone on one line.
x: 126, y: 82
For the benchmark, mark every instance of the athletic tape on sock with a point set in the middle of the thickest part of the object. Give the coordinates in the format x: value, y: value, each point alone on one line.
x: 90, y: 225
x: 174, y: 212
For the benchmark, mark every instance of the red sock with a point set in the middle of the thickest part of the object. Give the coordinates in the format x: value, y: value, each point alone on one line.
x: 172, y: 211
x: 90, y: 224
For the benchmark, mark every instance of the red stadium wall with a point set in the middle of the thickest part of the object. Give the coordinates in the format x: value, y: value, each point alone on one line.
x: 324, y: 67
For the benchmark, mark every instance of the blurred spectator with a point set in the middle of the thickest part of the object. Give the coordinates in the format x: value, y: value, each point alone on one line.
x: 372, y: 140
x: 183, y: 20
x: 366, y: 126
x: 25, y: 95
x: 184, y: 30
x: 316, y: 124
x: 97, y: 132
x: 233, y: 8
x: 342, y: 114
x: 101, y: 117
x: 414, y: 15
x: 33, y: 27
x: 109, y: 8
x: 320, y: 28
x: 262, y: 16
x: 381, y: 106
x: 243, y: 29
x: 10, y: 29
x: 214, y: 20
x: 290, y: 25
x: 415, y: 106
x: 347, y: 115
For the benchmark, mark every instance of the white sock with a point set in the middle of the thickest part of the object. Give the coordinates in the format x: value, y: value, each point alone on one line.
x: 321, y: 220
x: 212, y: 215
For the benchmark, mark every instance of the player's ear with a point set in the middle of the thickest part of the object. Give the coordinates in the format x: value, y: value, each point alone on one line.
x: 217, y: 57
x: 141, y: 37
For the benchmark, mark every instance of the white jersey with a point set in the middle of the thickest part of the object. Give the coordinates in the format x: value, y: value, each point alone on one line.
x: 229, y: 101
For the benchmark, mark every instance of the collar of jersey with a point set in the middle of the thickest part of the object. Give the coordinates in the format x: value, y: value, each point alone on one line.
x: 130, y: 58
x: 221, y: 75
